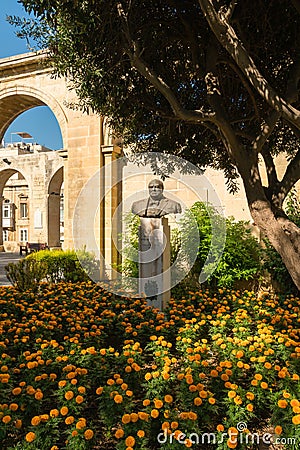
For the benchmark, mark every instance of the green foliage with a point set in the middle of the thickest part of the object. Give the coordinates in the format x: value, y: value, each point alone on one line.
x: 69, y: 265
x: 26, y: 274
x: 240, y: 259
x: 272, y: 261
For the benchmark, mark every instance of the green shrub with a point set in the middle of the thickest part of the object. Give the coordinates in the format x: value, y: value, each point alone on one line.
x: 26, y: 274
x: 66, y: 265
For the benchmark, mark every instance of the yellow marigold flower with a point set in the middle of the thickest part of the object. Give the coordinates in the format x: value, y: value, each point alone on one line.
x: 30, y: 437
x: 118, y: 398
x: 6, y: 419
x: 69, y: 420
x: 36, y: 420
x: 148, y: 376
x: 79, y: 399
x: 16, y: 391
x: 130, y: 441
x: 64, y: 410
x: 154, y: 413
x: 119, y: 433
x: 140, y: 433
x: 54, y: 413
x: 88, y: 434
x: 231, y: 394
x: 69, y: 395
x: 126, y: 418
x: 296, y: 419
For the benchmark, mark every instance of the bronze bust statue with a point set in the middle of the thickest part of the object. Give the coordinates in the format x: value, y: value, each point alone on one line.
x: 156, y: 205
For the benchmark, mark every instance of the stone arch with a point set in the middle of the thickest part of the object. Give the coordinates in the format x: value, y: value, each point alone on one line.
x: 20, y: 98
x: 54, y: 203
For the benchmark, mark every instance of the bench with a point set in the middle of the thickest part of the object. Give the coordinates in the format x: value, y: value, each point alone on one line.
x: 31, y: 247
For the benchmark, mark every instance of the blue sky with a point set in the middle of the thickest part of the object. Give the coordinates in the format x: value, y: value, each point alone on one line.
x: 40, y: 122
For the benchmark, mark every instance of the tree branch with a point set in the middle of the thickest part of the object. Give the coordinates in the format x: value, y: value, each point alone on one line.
x: 270, y: 167
x: 229, y: 40
x: 291, y: 176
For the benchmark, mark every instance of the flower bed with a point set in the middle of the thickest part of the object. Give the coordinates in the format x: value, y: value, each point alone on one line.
x: 82, y: 369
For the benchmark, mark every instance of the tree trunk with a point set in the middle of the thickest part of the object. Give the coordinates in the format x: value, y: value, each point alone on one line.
x: 283, y: 234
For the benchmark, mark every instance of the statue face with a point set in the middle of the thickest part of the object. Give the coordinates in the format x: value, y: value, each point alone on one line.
x: 155, y: 189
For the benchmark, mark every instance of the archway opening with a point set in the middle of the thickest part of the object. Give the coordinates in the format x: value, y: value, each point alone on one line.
x: 37, y: 125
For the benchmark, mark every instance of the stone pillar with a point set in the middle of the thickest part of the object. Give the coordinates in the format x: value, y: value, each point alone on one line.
x: 154, y: 261
x: 1, y: 224
x: 111, y: 196
x: 54, y: 219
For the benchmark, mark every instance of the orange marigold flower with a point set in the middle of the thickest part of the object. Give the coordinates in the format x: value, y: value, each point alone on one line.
x: 158, y: 403
x: 296, y: 419
x: 16, y: 391
x: 69, y: 395
x: 197, y: 401
x: 212, y: 400
x: 140, y: 433
x: 231, y: 394
x: 13, y: 406
x: 119, y: 433
x: 174, y: 425
x: 134, y: 417
x: 54, y: 413
x: 282, y: 403
x: 278, y: 430
x: 18, y: 423
x: 30, y: 437
x: 88, y: 434
x: 294, y: 402
x: 220, y: 428
x: 192, y: 415
x: 99, y: 390
x: 6, y: 419
x: 118, y: 398
x: 168, y: 398
x: 38, y: 395
x: 79, y: 399
x: 130, y: 441
x: 69, y: 420
x: 249, y: 407
x: 126, y: 418
x: 62, y: 383
x: 36, y: 420
x: 154, y: 413
x: 64, y: 410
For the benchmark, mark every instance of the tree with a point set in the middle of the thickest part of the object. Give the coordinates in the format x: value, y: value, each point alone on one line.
x: 213, y: 81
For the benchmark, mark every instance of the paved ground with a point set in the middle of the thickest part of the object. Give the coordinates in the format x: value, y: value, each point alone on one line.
x: 6, y: 258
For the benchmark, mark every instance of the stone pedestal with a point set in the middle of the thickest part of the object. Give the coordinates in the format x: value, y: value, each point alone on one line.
x: 154, y: 261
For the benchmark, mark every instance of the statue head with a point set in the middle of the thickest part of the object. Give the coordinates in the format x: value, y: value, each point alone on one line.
x: 155, y: 188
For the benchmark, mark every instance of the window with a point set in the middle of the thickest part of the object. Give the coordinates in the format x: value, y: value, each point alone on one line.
x: 23, y: 235
x: 5, y: 235
x: 6, y: 211
x: 23, y: 210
